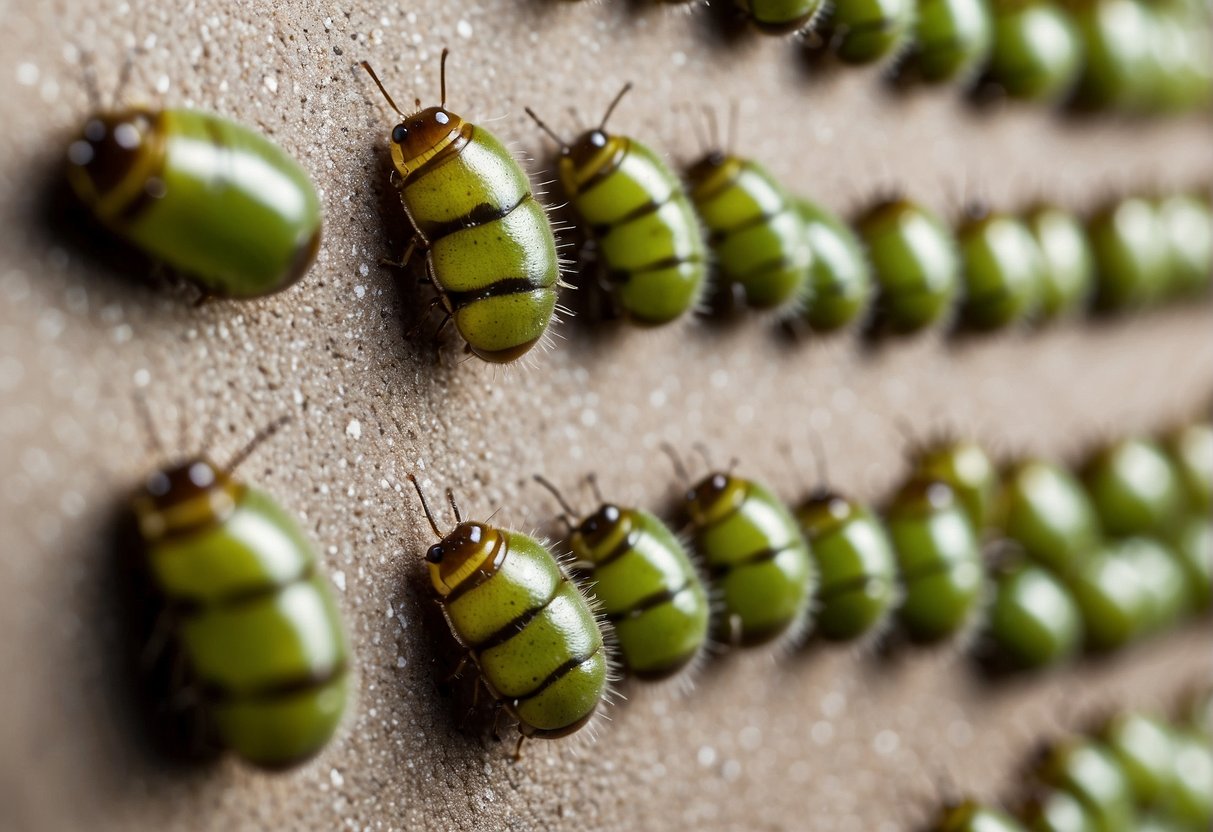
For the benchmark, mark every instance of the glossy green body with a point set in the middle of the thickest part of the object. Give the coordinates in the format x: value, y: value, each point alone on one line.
x: 1068, y: 273
x: 1134, y: 487
x: 1037, y: 51
x: 777, y: 17
x: 490, y: 250
x: 938, y: 558
x: 1187, y: 221
x: 864, y: 31
x: 856, y: 568
x: 258, y: 628
x: 1116, y: 606
x: 1181, y: 44
x: 211, y: 198
x: 1167, y: 59
x: 1163, y: 578
x: 1046, y: 510
x: 1196, y: 713
x: 757, y: 560
x: 1058, y: 811
x: 1191, y: 800
x: 1117, y: 39
x: 1144, y: 746
x: 647, y: 588
x: 1192, y: 543
x: 973, y: 817
x: 1091, y: 773
x: 952, y: 39
x: 1191, y: 450
x: 533, y: 637
x: 967, y: 469
x: 755, y: 231
x: 1002, y: 270
x: 650, y: 238
x: 1132, y: 255
x: 914, y: 260
x: 840, y: 279
x: 1034, y: 621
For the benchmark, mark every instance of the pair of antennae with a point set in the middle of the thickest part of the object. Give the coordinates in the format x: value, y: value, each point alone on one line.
x: 601, y: 126
x: 711, y: 143
x: 157, y: 447
x: 429, y: 515
x: 680, y: 469
x: 442, y: 75
x: 571, y: 513
x: 91, y: 88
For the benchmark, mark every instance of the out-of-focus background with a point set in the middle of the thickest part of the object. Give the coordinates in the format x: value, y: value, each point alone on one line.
x: 827, y: 739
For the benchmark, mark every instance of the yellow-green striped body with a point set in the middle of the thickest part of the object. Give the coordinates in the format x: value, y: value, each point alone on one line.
x: 648, y: 589
x: 756, y: 558
x: 1089, y: 771
x: 490, y: 250
x: 527, y: 627
x: 855, y: 562
x: 966, y: 468
x: 915, y: 263
x: 840, y: 280
x: 756, y: 233
x: 939, y: 558
x: 256, y: 624
x: 209, y: 197
x: 650, y: 238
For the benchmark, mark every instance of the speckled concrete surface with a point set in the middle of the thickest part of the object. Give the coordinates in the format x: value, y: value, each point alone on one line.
x: 824, y: 740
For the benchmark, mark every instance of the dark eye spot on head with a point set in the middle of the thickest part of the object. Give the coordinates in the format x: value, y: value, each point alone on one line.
x: 441, y: 117
x: 591, y: 525
x: 80, y: 153
x: 94, y: 131
x: 399, y: 133
x: 157, y: 484
x: 435, y: 553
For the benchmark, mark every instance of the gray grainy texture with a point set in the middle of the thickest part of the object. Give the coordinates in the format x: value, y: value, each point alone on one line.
x: 829, y: 740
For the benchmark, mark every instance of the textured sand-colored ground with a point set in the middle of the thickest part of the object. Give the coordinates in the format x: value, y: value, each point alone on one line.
x: 828, y: 740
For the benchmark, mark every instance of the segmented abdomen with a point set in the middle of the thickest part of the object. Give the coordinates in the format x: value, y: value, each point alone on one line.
x: 533, y: 636
x: 760, y: 562
x: 654, y: 598
x: 492, y: 253
x: 650, y: 237
x: 259, y: 629
x: 756, y: 232
x: 221, y: 203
